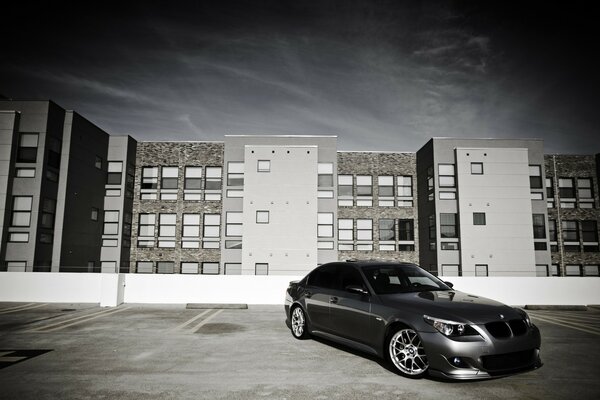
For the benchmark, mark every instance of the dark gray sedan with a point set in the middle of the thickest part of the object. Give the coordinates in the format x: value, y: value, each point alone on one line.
x: 413, y: 319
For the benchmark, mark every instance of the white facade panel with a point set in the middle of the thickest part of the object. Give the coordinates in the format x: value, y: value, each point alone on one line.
x: 505, y: 242
x: 288, y: 191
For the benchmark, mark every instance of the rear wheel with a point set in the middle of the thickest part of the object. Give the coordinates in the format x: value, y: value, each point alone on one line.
x: 299, y: 324
x: 406, y: 353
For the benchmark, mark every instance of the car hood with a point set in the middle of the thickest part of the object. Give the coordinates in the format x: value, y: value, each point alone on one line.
x: 452, y: 305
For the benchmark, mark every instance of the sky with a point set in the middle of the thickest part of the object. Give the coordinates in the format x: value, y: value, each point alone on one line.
x: 381, y: 75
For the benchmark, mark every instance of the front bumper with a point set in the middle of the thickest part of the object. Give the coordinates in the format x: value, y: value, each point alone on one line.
x: 485, y: 358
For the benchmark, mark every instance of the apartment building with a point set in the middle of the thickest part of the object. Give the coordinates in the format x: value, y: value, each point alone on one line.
x: 73, y: 198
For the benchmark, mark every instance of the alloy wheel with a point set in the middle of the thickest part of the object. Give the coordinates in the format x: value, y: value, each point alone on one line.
x: 298, y: 323
x: 407, y: 353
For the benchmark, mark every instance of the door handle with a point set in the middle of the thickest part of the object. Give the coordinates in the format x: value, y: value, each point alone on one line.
x: 333, y: 300
x: 307, y: 294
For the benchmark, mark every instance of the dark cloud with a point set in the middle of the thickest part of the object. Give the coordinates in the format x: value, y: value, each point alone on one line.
x: 380, y: 74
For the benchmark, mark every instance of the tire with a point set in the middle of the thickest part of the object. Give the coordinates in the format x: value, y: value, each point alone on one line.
x: 406, y: 354
x: 299, y: 325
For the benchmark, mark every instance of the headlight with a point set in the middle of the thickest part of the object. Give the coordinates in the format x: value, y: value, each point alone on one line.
x: 450, y: 328
x: 525, y: 317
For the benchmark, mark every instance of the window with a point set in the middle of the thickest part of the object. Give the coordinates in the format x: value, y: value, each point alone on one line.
x: 190, y: 233
x: 589, y: 230
x: 263, y: 166
x: 550, y: 193
x: 447, y: 195
x: 233, y: 269
x: 233, y: 223
x: 193, y: 178
x: 449, y: 246
x: 211, y: 268
x: 450, y: 270
x: 585, y: 193
x: 566, y: 188
x: 115, y: 173
x: 323, y: 277
x: 404, y: 191
x: 431, y: 223
x: 387, y: 229
x: 261, y: 269
x: 478, y: 218
x: 325, y: 225
x: 233, y: 244
x: 448, y: 226
x: 430, y: 184
x: 572, y: 270
x: 364, y: 229
x: 539, y: 226
x: 481, y: 270
x: 406, y: 229
x: 165, y: 267
x: 21, y: 210
x: 552, y: 230
x: 541, y: 270
x: 446, y: 175
x: 345, y: 229
x: 110, y: 242
x: 18, y: 237
x: 145, y: 267
x: 25, y: 172
x: 189, y: 267
x: 235, y: 173
x: 111, y: 222
x: 213, y: 182
x: 27, y: 150
x: 54, y: 148
x: 540, y: 246
x: 364, y: 190
x: 211, y: 231
x: 149, y: 178
x: 166, y: 225
x: 48, y: 212
x: 94, y: 214
x: 169, y: 177
x: 325, y: 174
x: 345, y: 190
x: 386, y: 186
x: 146, y: 225
x: 262, y: 217
x: 98, y: 162
x: 535, y: 176
x: 590, y: 270
x: 476, y: 168
x: 570, y: 231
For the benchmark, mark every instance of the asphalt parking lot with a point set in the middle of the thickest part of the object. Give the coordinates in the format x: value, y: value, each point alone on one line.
x: 81, y: 351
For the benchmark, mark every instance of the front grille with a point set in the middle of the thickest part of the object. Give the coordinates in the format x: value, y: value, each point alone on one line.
x: 498, y: 329
x: 502, y: 329
x: 508, y: 361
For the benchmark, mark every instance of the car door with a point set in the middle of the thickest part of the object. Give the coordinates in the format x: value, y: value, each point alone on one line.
x: 350, y: 312
x: 320, y: 288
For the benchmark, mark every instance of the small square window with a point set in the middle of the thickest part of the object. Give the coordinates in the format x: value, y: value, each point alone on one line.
x: 476, y: 168
x: 478, y: 218
x: 25, y: 173
x: 98, y: 162
x: 262, y: 269
x: 262, y: 217
x: 481, y: 270
x: 264, y: 166
x: 94, y: 214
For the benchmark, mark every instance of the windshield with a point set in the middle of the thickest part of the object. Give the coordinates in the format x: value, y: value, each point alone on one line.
x: 387, y: 279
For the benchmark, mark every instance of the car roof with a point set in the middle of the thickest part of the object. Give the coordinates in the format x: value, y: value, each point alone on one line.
x: 366, y: 263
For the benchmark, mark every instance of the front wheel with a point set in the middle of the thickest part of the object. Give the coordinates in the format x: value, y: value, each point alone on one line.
x: 299, y: 325
x: 406, y: 353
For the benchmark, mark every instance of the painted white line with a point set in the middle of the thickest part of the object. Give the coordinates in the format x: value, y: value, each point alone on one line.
x: 29, y: 306
x: 576, y: 323
x: 66, y: 321
x: 12, y: 359
x: 593, y: 332
x: 581, y: 318
x: 86, y: 320
x: 204, y: 321
x: 189, y: 321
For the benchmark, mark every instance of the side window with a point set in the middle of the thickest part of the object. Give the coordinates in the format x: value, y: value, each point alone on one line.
x: 323, y: 277
x: 349, y: 276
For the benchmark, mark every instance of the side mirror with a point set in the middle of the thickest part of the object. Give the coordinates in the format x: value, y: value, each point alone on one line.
x: 357, y: 290
x: 449, y: 284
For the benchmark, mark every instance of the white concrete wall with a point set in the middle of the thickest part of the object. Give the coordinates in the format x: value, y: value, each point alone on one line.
x: 113, y: 289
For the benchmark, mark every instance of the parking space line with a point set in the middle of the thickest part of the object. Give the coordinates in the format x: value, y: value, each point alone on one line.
x: 204, y: 321
x: 571, y: 325
x: 574, y: 317
x: 77, y: 320
x: 189, y: 321
x: 583, y: 324
x: 29, y: 306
